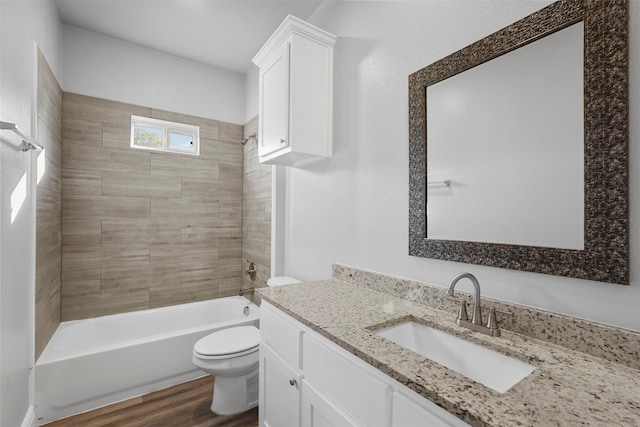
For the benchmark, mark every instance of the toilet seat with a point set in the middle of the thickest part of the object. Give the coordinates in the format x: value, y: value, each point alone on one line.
x: 232, y: 342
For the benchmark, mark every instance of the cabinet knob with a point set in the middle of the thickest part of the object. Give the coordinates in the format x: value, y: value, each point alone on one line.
x: 292, y: 382
x: 281, y: 141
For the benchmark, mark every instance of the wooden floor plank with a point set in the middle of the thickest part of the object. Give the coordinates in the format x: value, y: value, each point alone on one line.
x: 183, y: 405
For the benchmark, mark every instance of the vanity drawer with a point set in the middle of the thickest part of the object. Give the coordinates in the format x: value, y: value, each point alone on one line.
x: 359, y: 392
x: 410, y: 410
x: 282, y: 334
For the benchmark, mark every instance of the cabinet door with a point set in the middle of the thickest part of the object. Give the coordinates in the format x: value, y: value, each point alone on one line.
x: 319, y: 411
x: 274, y: 102
x: 279, y: 391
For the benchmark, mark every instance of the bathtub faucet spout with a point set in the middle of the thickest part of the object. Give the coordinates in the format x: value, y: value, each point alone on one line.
x: 247, y: 291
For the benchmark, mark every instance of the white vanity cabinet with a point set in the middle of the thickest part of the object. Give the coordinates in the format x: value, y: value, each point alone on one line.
x: 318, y: 410
x: 307, y: 380
x: 280, y: 374
x: 413, y: 410
x: 295, y: 113
x: 279, y: 391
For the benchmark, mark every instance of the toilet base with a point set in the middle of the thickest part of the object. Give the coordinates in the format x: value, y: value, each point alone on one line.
x: 235, y: 395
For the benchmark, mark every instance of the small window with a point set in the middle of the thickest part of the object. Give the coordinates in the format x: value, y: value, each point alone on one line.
x: 162, y: 135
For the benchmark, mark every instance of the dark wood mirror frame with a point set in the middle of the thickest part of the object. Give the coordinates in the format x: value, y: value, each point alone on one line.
x: 605, y: 257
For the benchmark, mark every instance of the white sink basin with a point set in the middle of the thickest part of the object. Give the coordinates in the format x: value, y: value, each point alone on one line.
x: 488, y: 367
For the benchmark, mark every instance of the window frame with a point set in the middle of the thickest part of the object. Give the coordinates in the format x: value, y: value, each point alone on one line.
x: 167, y: 128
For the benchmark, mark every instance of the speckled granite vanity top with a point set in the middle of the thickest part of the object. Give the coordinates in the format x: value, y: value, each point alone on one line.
x: 567, y: 388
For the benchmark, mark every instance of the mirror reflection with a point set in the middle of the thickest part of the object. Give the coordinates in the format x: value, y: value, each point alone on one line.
x: 508, y: 135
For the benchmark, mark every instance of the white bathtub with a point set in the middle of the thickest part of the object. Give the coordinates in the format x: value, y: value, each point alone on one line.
x: 94, y: 362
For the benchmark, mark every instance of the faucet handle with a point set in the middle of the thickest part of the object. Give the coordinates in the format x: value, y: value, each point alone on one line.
x: 492, y: 323
x: 462, y: 312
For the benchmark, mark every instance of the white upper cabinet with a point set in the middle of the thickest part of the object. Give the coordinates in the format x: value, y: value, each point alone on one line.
x: 295, y: 123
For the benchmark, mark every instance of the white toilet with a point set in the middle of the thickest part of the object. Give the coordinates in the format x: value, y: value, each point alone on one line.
x: 231, y: 356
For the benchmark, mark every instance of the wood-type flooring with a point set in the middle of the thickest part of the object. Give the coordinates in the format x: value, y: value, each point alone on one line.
x: 183, y: 405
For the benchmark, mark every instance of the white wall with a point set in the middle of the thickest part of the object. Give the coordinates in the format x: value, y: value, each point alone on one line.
x: 251, y: 95
x: 104, y: 67
x: 353, y: 209
x: 22, y: 23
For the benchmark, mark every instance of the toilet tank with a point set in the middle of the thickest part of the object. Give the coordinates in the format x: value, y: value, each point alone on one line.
x: 282, y: 280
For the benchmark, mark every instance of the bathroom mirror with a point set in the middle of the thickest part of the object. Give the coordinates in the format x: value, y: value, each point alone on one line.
x: 509, y: 143
x: 594, y: 171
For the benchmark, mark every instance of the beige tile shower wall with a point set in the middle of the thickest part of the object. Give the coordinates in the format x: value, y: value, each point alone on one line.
x: 256, y: 224
x: 48, y: 206
x: 144, y: 229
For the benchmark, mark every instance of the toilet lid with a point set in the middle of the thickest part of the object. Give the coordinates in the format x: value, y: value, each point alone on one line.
x: 228, y: 341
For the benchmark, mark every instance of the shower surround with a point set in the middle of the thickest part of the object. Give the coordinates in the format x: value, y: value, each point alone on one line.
x: 48, y: 205
x: 256, y: 212
x: 145, y: 229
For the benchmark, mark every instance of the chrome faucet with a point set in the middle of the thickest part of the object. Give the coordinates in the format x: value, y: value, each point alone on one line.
x: 476, y: 323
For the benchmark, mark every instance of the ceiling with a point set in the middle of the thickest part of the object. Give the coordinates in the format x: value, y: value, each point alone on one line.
x: 225, y: 34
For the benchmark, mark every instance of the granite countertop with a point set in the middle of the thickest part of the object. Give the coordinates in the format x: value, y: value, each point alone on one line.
x: 567, y: 388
